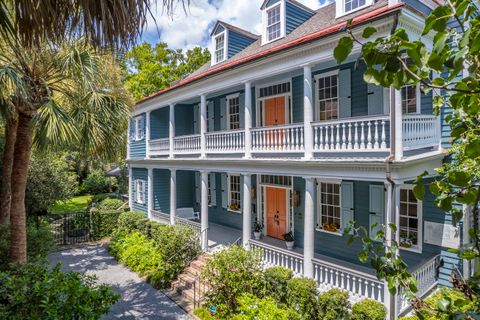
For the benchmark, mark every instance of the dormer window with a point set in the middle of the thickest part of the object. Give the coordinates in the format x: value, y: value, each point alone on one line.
x: 273, y: 23
x: 220, y: 48
x: 345, y: 7
x: 273, y: 18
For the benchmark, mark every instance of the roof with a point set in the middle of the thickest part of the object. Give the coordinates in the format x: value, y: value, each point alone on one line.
x: 233, y: 28
x: 323, y: 23
x: 295, y: 2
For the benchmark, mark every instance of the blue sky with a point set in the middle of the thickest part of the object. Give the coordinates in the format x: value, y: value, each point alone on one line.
x: 192, y: 29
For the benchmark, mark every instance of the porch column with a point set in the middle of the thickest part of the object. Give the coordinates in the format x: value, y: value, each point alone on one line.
x: 309, y: 228
x: 147, y: 134
x: 173, y: 195
x: 204, y: 210
x: 203, y: 125
x: 248, y: 120
x: 171, y: 128
x: 247, y: 209
x: 389, y: 235
x: 307, y: 112
x: 398, y: 125
x: 150, y: 192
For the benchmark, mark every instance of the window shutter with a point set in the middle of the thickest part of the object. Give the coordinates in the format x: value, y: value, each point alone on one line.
x: 211, y: 117
x: 213, y: 187
x: 241, y: 100
x: 375, y: 99
x: 223, y: 114
x: 377, y: 208
x: 224, y: 191
x: 196, y: 118
x: 144, y: 125
x: 134, y: 190
x: 131, y: 129
x: 197, y: 187
x: 144, y: 192
x: 347, y: 205
x: 345, y: 90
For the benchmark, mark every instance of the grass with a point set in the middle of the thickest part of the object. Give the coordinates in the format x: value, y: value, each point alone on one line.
x: 71, y: 205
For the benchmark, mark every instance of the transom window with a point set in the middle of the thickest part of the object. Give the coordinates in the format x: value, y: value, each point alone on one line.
x: 351, y: 5
x: 409, y: 99
x: 140, y: 191
x: 273, y: 23
x: 329, y: 217
x: 233, y: 105
x: 274, y: 90
x: 409, y: 220
x: 234, y: 193
x: 327, y: 89
x: 220, y: 48
x: 139, y: 132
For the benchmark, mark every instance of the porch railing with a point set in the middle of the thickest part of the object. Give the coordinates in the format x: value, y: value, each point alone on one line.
x: 189, y: 223
x: 360, y: 285
x: 159, y: 146
x: 355, y: 134
x: 274, y: 256
x: 160, y: 216
x: 286, y: 138
x: 225, y: 141
x: 187, y: 144
x: 420, y: 131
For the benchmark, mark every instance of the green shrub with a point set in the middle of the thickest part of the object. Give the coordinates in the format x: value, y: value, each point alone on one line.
x: 128, y: 221
x: 230, y: 273
x: 103, y: 222
x: 34, y: 291
x: 97, y: 198
x: 333, y: 305
x: 96, y: 182
x: 409, y: 318
x: 368, y: 309
x: 252, y: 307
x: 302, y: 297
x: 203, y: 313
x: 276, y: 280
x: 109, y: 204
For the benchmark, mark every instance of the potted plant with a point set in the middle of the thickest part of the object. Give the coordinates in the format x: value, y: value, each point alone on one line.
x: 289, y: 240
x: 257, y: 231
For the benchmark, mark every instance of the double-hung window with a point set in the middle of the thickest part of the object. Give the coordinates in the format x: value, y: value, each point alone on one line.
x: 327, y: 95
x: 234, y: 193
x: 410, y: 220
x: 273, y: 23
x: 233, y: 108
x: 220, y: 48
x: 352, y: 5
x: 329, y: 217
x: 138, y: 125
x: 410, y: 99
x: 140, y: 191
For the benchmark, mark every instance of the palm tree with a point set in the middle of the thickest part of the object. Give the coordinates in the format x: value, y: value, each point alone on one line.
x: 62, y: 95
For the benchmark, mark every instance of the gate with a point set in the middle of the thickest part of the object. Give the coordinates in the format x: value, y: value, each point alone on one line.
x: 71, y: 228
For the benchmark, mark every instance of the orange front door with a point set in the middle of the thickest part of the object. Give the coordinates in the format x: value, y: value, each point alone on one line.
x: 276, y: 207
x: 275, y: 112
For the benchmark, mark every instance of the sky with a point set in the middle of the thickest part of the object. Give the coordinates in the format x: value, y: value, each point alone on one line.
x: 190, y: 29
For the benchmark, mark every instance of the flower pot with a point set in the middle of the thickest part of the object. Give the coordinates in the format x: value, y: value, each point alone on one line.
x: 257, y: 235
x: 290, y: 244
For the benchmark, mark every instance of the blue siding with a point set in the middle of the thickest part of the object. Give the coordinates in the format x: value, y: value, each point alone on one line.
x: 297, y: 99
x: 295, y: 16
x: 161, y: 190
x: 426, y: 106
x: 185, y: 189
x: 220, y: 29
x: 184, y: 119
x: 271, y: 2
x: 419, y: 6
x: 159, y: 123
x: 142, y: 174
x: 216, y: 108
x: 237, y: 42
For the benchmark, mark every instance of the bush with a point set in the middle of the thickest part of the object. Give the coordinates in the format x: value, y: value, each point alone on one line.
x: 302, y: 297
x: 276, y: 280
x: 33, y: 291
x: 333, y: 305
x: 252, y: 307
x: 103, y: 222
x: 110, y: 204
x: 230, y: 273
x: 128, y: 221
x: 368, y: 309
x: 96, y: 182
x: 97, y: 198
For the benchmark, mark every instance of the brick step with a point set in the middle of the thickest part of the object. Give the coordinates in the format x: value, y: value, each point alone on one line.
x: 179, y: 300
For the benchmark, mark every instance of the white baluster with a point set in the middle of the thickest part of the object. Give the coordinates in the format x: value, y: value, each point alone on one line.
x: 384, y: 140
x: 362, y: 136
x: 355, y: 146
x: 344, y: 139
x: 337, y: 144
x: 375, y: 146
x: 369, y: 135
x: 301, y: 138
x: 321, y: 138
x: 315, y: 138
x: 349, y: 144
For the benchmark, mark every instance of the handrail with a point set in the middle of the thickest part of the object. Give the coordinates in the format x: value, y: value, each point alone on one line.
x: 283, y: 126
x: 186, y: 246
x: 224, y: 132
x: 271, y: 247
x: 236, y: 242
x: 195, y: 135
x: 355, y: 272
x: 159, y: 139
x: 351, y: 119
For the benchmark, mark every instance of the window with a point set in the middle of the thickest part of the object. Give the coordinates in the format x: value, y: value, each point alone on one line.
x: 273, y: 23
x: 410, y: 220
x: 234, y: 193
x: 330, y: 213
x: 139, y: 132
x: 327, y: 93
x: 140, y: 191
x: 233, y: 109
x: 220, y: 48
x: 352, y: 5
x: 409, y: 99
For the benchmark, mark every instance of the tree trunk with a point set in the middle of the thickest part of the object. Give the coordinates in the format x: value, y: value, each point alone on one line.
x: 23, y: 145
x: 5, y: 192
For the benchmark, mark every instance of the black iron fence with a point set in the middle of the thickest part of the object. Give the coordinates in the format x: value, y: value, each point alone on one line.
x: 71, y: 228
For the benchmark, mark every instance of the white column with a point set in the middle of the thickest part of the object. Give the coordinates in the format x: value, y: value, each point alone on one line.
x: 173, y: 195
x: 147, y: 134
x: 389, y: 218
x: 398, y: 125
x: 307, y: 112
x: 171, y: 128
x: 247, y: 209
x: 130, y: 188
x: 248, y: 120
x: 150, y: 192
x: 309, y: 228
x: 203, y: 124
x: 204, y: 210
x: 129, y: 138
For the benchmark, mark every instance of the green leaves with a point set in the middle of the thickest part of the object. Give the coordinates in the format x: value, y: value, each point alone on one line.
x: 419, y: 187
x: 343, y: 49
x: 437, y: 20
x: 368, y: 32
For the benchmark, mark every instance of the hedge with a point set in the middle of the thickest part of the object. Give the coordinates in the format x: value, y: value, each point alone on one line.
x: 103, y: 222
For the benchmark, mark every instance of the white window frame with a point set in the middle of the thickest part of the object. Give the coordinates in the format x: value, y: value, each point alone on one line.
x: 280, y: 4
x: 140, y: 185
x: 340, y: 7
x: 316, y: 115
x: 318, y: 217
x: 223, y: 34
x: 228, y: 98
x: 418, y: 247
x: 139, y: 130
x: 288, y: 102
x: 417, y: 99
x: 229, y: 193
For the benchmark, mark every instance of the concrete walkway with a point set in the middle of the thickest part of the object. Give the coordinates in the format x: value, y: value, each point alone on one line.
x: 139, y: 299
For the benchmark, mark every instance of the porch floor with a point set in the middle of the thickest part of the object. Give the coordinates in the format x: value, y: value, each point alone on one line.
x: 219, y: 235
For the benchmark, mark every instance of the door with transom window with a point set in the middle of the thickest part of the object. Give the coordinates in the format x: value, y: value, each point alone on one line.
x: 276, y: 209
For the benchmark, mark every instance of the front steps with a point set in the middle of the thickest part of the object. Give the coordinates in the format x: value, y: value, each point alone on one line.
x: 185, y: 291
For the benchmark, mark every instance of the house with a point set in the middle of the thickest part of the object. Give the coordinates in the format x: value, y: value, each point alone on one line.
x: 273, y: 131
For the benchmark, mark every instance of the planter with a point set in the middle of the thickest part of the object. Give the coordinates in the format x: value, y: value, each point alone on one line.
x: 257, y: 235
x: 290, y: 244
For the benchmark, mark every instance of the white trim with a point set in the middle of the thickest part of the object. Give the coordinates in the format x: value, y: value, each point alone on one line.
x: 139, y: 184
x: 224, y: 33
x: 316, y: 111
x: 288, y: 101
x: 326, y: 74
x: 417, y: 248
x: 318, y: 216
x: 227, y: 112
x: 340, y: 8
x: 139, y: 131
x: 229, y: 198
x: 282, y: 6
